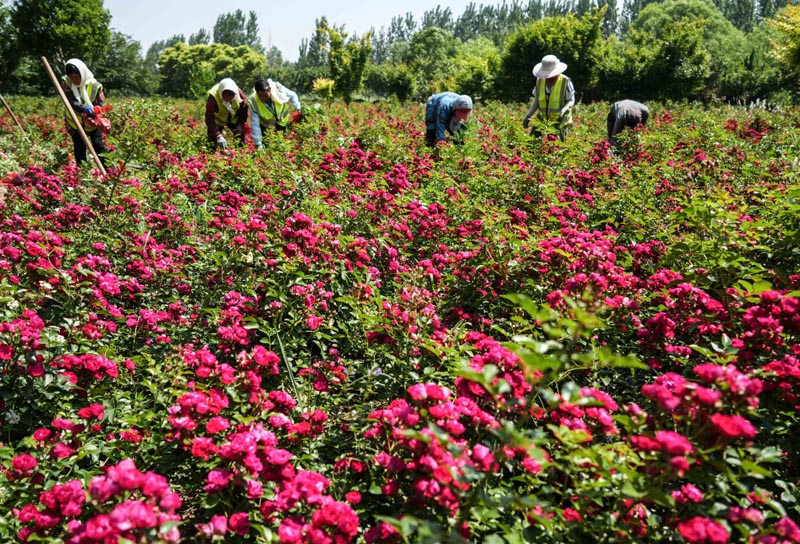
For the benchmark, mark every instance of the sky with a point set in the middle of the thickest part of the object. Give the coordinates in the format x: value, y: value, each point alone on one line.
x: 281, y: 25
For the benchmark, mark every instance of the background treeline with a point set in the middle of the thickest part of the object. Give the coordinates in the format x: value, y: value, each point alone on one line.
x: 735, y: 50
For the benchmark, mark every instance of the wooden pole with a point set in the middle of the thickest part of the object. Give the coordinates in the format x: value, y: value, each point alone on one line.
x: 74, y: 117
x: 14, y: 117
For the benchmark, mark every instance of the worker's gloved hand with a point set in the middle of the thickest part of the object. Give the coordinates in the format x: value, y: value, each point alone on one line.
x: 221, y: 142
x: 526, y: 122
x: 88, y: 110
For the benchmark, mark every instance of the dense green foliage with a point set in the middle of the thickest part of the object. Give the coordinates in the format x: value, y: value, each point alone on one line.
x: 235, y: 30
x: 694, y: 49
x: 578, y: 41
x: 347, y: 60
x: 787, y: 23
x: 56, y: 29
x: 190, y: 70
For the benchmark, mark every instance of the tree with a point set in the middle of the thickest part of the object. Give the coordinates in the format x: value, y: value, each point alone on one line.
x: 725, y: 44
x: 274, y: 58
x: 380, y: 46
x: 62, y: 29
x: 123, y: 70
x: 676, y: 58
x: 438, y: 18
x: 767, y: 9
x: 763, y: 77
x: 401, y: 28
x: 576, y: 41
x: 391, y: 80
x: 347, y: 60
x: 8, y: 60
x: 430, y: 55
x: 630, y: 11
x: 611, y: 22
x: 476, y: 64
x: 202, y: 36
x: 158, y: 47
x: 251, y: 37
x: 742, y: 13
x: 190, y: 70
x: 313, y: 52
x: 787, y: 44
x: 233, y: 29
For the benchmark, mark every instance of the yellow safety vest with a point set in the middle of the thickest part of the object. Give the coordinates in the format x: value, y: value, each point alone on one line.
x: 280, y: 116
x: 222, y: 116
x: 92, y: 88
x: 550, y: 106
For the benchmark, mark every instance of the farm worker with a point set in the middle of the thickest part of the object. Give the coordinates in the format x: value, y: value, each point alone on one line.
x: 271, y: 105
x: 445, y: 112
x: 625, y: 114
x: 553, y: 97
x: 226, y: 106
x: 83, y: 92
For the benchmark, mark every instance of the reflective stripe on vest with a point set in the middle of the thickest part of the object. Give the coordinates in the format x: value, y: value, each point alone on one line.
x: 267, y: 116
x: 550, y: 105
x: 222, y: 116
x: 92, y: 89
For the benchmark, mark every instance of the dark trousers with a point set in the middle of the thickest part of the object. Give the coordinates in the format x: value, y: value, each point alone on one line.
x: 96, y: 139
x: 430, y: 138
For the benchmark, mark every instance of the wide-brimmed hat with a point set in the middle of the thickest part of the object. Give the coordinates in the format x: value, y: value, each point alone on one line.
x: 550, y: 66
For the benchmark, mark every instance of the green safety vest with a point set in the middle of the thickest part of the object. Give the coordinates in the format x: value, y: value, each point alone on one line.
x: 222, y: 116
x: 279, y: 116
x: 92, y: 89
x: 550, y: 106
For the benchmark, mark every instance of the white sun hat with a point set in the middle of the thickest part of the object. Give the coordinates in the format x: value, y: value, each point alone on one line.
x: 550, y: 66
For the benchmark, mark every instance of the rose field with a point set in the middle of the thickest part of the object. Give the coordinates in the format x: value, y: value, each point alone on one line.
x: 350, y: 338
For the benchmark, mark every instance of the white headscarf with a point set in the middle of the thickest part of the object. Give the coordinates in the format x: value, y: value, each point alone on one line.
x: 228, y: 84
x: 87, y: 77
x: 278, y: 92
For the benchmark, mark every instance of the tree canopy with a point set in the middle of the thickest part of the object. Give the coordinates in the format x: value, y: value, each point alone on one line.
x: 347, y: 60
x: 188, y: 71
x: 787, y: 23
x: 235, y: 29
x: 677, y: 49
x: 577, y: 41
x: 61, y: 29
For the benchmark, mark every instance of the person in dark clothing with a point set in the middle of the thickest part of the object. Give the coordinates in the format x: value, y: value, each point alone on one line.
x: 625, y: 114
x: 83, y: 92
x: 226, y: 106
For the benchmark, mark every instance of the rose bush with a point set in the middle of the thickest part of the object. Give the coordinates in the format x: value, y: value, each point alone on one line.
x: 348, y: 338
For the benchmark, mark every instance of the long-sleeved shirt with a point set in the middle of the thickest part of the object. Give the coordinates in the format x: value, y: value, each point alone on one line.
x: 439, y: 114
x: 211, y: 122
x: 255, y: 117
x: 625, y: 114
